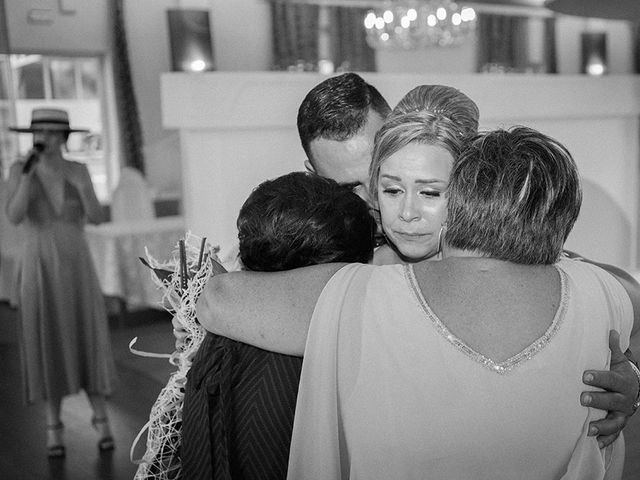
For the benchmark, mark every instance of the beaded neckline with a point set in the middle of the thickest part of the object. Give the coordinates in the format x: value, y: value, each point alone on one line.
x: 510, y: 363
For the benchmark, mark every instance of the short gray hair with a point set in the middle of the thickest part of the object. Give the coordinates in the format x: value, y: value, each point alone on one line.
x: 513, y: 195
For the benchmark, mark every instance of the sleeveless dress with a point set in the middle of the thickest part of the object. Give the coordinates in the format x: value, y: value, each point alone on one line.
x: 387, y: 391
x: 64, y: 330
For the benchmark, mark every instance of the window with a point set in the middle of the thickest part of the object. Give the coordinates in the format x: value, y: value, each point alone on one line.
x: 63, y: 79
x: 29, y: 76
x: 89, y: 74
x: 71, y: 83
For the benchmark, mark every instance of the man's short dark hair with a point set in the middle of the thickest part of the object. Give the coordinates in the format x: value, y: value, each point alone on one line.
x: 337, y: 109
x: 302, y: 219
x: 513, y: 195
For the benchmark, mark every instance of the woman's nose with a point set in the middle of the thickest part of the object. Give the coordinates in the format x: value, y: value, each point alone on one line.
x: 409, y: 212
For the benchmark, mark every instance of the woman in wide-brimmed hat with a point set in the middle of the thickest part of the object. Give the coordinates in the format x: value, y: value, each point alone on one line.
x: 64, y: 329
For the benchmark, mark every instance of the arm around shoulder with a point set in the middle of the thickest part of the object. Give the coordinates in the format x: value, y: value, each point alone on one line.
x: 632, y: 288
x: 620, y: 383
x: 627, y: 281
x: 270, y: 310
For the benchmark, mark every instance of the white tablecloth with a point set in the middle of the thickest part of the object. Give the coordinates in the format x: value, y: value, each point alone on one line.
x: 116, y: 248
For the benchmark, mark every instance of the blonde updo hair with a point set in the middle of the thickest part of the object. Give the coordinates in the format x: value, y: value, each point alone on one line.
x: 445, y: 103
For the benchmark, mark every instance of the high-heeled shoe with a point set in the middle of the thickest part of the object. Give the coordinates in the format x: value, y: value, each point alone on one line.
x: 106, y: 442
x: 55, y: 447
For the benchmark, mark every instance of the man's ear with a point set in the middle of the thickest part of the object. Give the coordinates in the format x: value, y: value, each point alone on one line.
x: 308, y: 166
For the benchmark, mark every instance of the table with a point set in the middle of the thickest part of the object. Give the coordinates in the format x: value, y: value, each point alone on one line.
x: 116, y: 246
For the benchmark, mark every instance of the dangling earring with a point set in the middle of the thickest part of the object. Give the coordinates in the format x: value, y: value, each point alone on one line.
x: 441, y: 233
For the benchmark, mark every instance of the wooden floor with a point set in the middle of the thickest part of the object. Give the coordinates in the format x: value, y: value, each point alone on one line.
x: 22, y: 428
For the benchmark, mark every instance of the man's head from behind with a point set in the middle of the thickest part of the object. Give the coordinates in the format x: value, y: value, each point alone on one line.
x: 337, y: 123
x: 301, y: 219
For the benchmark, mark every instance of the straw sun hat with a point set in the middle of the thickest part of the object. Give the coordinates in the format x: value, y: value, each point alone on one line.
x: 48, y: 119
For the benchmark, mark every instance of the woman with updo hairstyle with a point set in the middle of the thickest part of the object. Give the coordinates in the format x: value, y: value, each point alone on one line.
x: 413, y: 154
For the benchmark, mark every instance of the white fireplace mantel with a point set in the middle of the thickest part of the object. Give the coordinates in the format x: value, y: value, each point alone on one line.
x: 239, y: 128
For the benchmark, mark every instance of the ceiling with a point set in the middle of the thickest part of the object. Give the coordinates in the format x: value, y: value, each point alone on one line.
x: 493, y: 3
x: 519, y: 3
x: 611, y: 9
x: 534, y: 7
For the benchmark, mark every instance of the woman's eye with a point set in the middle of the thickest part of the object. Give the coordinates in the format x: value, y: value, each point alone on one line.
x: 431, y: 193
x: 391, y: 191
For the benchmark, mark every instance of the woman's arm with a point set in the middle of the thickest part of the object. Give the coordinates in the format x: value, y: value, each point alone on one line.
x: 620, y: 382
x: 626, y: 280
x: 268, y: 310
x: 19, y: 188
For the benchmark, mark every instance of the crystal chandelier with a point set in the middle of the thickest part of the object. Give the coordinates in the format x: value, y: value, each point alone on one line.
x: 411, y: 24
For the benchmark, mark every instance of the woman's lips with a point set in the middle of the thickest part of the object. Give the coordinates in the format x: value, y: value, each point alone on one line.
x: 412, y: 236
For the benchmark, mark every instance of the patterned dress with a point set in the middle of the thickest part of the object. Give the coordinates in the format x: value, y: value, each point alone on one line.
x: 238, y: 412
x: 64, y: 332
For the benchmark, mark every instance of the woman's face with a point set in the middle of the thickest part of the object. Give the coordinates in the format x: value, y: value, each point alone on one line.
x: 51, y: 139
x: 411, y: 196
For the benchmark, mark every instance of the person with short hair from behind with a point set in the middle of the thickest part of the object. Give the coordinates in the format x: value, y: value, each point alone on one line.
x: 240, y: 400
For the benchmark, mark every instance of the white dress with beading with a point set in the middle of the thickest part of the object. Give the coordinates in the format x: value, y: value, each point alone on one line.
x: 388, y: 392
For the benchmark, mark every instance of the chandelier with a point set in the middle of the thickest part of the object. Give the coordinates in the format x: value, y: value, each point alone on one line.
x: 409, y: 24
